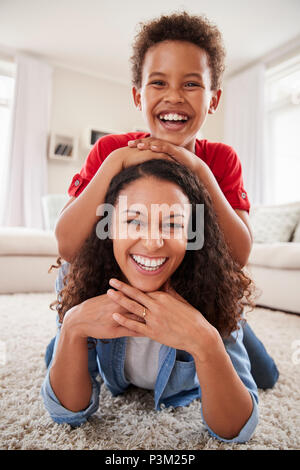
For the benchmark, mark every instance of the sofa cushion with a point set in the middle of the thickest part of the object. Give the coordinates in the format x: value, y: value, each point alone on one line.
x: 276, y: 255
x: 296, y: 236
x: 277, y: 288
x: 271, y: 224
x: 52, y: 205
x: 25, y: 273
x: 27, y: 241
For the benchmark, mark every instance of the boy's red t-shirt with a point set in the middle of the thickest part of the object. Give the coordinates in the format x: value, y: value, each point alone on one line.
x: 221, y: 159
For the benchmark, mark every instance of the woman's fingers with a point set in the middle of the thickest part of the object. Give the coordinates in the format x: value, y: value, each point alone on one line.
x: 133, y: 299
x: 132, y: 316
x: 135, y: 327
x: 122, y: 331
x: 131, y: 305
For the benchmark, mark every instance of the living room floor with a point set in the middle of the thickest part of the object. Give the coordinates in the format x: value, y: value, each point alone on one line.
x: 129, y: 421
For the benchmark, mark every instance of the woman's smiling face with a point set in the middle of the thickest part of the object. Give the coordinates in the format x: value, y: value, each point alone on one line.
x: 150, y: 237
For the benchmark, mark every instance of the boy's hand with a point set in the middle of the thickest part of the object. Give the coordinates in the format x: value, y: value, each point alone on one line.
x: 180, y: 154
x: 127, y: 156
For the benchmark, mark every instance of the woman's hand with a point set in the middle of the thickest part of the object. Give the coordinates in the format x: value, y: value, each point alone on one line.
x: 94, y: 318
x: 180, y: 154
x: 169, y: 319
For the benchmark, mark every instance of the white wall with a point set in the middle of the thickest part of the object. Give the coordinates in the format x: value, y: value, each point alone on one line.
x: 213, y: 128
x: 80, y: 101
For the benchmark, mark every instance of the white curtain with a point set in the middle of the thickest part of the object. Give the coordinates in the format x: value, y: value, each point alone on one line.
x: 244, y: 128
x: 26, y: 170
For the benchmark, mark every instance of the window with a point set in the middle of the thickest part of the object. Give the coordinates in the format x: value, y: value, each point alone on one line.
x: 283, y: 130
x: 6, y: 96
x: 7, y: 82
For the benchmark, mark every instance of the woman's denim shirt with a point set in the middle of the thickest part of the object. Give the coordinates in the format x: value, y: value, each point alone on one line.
x: 176, y: 384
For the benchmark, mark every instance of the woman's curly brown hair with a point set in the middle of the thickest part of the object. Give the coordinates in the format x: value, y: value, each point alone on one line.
x: 180, y: 27
x: 208, y: 278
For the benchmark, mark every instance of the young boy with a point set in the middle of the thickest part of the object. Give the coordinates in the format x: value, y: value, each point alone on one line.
x: 178, y: 62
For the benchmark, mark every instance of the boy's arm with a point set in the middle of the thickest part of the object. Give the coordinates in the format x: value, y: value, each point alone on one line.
x: 243, y: 214
x: 235, y: 223
x: 79, y: 215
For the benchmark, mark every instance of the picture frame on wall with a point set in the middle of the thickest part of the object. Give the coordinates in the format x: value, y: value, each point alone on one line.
x: 92, y: 134
x: 62, y: 147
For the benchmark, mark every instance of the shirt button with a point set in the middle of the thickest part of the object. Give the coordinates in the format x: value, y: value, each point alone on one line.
x: 77, y: 182
x: 244, y: 195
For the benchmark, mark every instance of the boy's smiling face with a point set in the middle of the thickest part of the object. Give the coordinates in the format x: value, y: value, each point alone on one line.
x: 176, y: 96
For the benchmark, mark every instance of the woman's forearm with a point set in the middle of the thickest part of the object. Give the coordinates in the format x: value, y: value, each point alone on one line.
x: 69, y: 375
x: 237, y: 233
x: 226, y: 403
x: 78, y: 218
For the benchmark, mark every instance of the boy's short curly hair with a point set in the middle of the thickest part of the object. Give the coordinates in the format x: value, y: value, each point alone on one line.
x: 180, y: 27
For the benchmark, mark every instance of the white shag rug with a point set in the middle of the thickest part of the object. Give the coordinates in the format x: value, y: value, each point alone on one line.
x: 129, y: 421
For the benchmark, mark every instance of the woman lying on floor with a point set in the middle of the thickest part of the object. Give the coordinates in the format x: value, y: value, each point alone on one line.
x: 155, y: 310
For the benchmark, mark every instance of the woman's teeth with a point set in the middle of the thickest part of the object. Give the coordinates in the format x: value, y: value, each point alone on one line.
x: 149, y: 264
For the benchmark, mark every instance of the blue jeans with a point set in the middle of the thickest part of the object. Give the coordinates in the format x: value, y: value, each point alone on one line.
x: 263, y: 368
